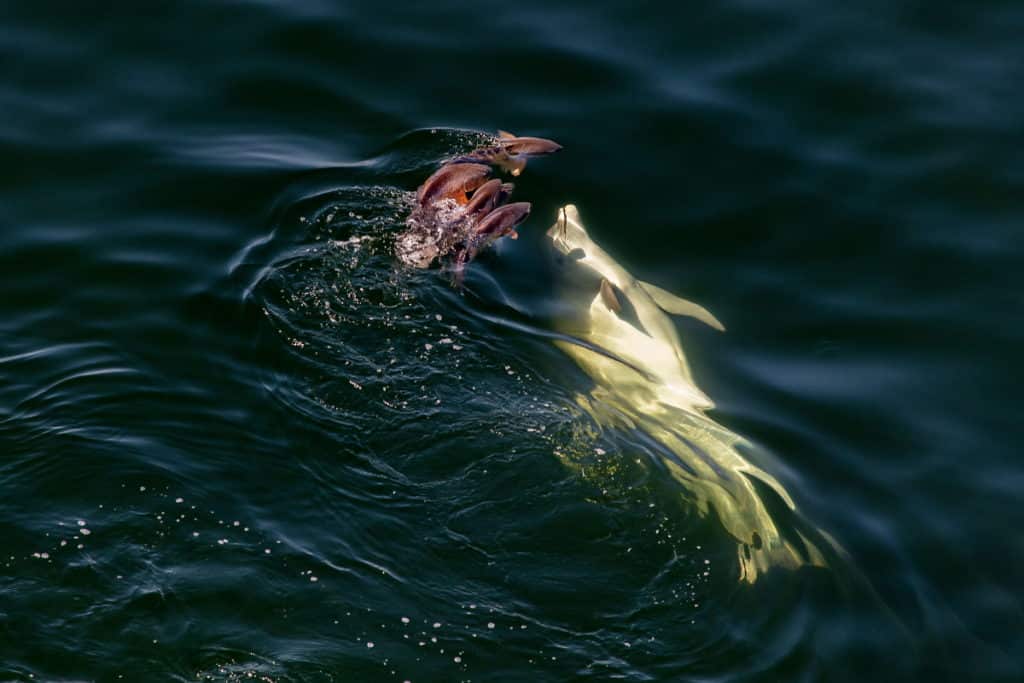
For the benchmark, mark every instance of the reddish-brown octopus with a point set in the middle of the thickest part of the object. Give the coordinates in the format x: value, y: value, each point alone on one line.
x: 460, y: 209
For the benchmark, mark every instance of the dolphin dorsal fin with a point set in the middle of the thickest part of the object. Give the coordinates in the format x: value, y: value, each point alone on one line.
x: 670, y: 303
x: 505, y: 135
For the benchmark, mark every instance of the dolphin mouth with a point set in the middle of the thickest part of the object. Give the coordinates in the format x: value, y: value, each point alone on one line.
x: 567, y: 234
x: 557, y: 232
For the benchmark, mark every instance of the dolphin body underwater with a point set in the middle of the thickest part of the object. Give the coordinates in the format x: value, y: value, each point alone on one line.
x: 627, y: 344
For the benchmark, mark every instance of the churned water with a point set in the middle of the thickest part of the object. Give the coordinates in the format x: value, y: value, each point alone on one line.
x: 240, y: 442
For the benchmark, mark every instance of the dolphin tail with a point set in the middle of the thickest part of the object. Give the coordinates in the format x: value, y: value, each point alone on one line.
x: 788, y: 553
x: 753, y: 507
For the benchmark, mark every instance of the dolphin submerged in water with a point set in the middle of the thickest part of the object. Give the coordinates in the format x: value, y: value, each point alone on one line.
x: 626, y: 343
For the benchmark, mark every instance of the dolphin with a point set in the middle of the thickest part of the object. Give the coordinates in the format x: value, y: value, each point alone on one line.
x: 626, y: 343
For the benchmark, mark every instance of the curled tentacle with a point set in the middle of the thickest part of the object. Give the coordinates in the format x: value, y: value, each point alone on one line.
x: 499, y: 223
x: 457, y: 230
x: 516, y: 145
x: 511, y: 152
x: 452, y: 181
x: 487, y: 197
x: 495, y: 156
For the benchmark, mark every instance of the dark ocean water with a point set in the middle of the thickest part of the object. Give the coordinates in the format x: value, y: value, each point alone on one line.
x: 241, y: 443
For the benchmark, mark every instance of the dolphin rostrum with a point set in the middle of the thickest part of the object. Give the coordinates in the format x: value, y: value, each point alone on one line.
x: 629, y: 347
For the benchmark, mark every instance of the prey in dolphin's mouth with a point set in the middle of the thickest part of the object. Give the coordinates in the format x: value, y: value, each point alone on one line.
x: 460, y: 210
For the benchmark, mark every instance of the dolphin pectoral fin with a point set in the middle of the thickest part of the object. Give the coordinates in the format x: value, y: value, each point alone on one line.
x: 670, y: 303
x: 609, y: 297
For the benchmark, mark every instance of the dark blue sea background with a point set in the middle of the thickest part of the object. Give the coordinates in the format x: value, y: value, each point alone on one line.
x: 241, y: 442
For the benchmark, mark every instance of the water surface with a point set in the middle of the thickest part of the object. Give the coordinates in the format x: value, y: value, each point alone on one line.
x: 297, y: 461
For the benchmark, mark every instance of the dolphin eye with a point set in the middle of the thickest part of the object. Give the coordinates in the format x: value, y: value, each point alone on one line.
x: 577, y: 254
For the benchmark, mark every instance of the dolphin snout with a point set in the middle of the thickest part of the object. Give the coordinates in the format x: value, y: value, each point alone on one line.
x: 567, y: 233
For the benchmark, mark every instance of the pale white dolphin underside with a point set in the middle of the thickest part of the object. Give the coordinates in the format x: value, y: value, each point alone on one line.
x: 643, y: 381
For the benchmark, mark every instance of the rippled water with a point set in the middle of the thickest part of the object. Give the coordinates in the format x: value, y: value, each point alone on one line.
x: 242, y: 443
